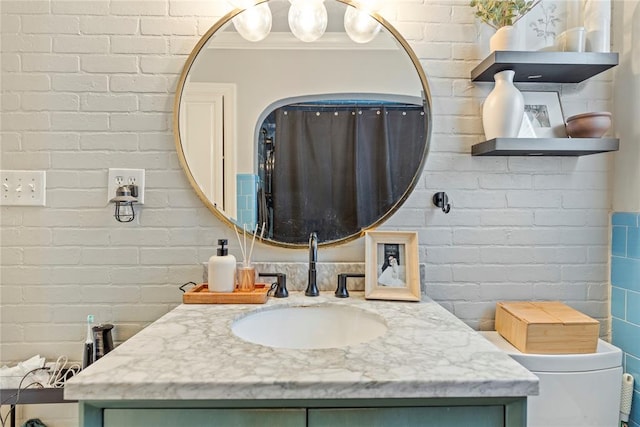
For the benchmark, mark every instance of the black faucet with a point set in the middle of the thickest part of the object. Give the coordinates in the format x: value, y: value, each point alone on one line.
x: 312, y: 286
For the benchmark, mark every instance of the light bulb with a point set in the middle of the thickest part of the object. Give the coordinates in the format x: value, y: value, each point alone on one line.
x: 254, y: 23
x: 360, y: 26
x: 124, y: 212
x: 308, y: 19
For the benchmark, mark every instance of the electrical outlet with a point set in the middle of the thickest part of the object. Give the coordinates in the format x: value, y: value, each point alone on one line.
x: 22, y: 188
x: 120, y: 177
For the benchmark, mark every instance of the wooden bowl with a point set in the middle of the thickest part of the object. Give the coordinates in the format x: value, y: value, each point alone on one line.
x: 589, y: 125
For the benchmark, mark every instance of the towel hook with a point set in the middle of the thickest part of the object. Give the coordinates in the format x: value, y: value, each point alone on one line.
x: 441, y: 200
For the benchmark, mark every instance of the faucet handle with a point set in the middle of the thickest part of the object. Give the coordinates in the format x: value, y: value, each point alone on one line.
x: 313, y: 247
x: 280, y: 285
x: 341, y: 291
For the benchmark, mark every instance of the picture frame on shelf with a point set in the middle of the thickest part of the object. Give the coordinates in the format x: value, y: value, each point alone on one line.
x: 544, y: 112
x: 526, y: 128
x: 391, y: 265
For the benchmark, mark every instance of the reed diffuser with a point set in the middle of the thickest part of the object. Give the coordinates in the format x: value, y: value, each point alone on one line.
x: 246, y: 271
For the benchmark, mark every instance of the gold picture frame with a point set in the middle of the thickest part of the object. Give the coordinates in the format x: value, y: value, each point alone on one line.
x: 391, y: 265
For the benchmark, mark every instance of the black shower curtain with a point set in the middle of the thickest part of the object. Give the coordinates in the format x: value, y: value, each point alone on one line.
x: 339, y: 169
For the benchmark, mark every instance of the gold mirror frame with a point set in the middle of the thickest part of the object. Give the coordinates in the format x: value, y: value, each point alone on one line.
x: 183, y: 162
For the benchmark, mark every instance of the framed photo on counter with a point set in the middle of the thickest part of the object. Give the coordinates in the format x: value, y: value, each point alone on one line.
x: 391, y: 266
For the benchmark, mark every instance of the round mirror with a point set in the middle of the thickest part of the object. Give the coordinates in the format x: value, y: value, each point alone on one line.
x: 294, y: 137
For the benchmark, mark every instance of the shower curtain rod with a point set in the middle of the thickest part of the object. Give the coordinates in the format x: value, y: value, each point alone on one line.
x: 354, y: 105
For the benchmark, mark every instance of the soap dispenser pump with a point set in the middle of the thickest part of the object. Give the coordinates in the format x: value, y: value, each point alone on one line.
x: 222, y: 270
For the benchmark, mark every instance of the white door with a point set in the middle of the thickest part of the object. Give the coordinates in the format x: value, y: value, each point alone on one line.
x: 208, y: 138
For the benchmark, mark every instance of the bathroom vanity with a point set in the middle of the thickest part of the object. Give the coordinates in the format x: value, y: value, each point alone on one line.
x: 189, y: 368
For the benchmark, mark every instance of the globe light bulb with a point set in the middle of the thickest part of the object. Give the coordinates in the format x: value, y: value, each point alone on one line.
x: 360, y: 26
x: 254, y: 23
x: 308, y: 19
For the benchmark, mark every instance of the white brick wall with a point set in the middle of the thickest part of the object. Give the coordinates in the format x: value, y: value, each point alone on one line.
x: 88, y: 85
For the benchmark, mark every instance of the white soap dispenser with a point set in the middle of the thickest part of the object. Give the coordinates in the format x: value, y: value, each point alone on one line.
x: 222, y: 270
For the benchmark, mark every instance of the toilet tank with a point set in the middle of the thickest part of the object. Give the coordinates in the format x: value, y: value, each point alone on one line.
x: 576, y: 390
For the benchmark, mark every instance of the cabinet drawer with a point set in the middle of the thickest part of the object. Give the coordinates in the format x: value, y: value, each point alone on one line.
x: 477, y: 416
x: 204, y: 417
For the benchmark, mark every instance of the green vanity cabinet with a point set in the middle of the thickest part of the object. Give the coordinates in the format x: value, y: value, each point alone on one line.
x: 204, y: 417
x: 478, y: 416
x: 439, y: 412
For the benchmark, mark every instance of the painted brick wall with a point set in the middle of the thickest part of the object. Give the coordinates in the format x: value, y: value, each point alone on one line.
x: 625, y: 297
x: 88, y: 85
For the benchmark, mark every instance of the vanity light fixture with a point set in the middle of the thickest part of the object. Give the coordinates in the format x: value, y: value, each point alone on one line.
x: 307, y: 20
x: 254, y: 24
x: 124, y: 200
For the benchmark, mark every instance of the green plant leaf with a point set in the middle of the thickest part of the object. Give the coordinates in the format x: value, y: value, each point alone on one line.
x: 500, y: 13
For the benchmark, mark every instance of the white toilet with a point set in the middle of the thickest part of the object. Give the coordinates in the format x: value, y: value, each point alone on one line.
x: 576, y: 390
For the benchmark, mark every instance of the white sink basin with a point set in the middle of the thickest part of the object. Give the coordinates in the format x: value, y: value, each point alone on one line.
x: 309, y: 327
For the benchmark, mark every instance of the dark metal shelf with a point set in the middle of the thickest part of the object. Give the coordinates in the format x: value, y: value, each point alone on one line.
x: 33, y: 396
x: 545, y: 67
x: 30, y: 396
x: 544, y: 146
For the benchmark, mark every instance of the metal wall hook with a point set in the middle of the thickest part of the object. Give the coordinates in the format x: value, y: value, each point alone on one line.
x: 441, y: 200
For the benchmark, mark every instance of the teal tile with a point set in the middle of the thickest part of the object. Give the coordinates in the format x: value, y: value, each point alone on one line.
x: 247, y: 217
x: 635, y: 410
x: 633, y: 242
x: 618, y: 302
x: 625, y: 218
x: 625, y: 336
x: 625, y: 273
x: 246, y: 183
x: 633, y: 308
x: 247, y: 186
x: 619, y: 241
x: 241, y: 203
x: 632, y: 366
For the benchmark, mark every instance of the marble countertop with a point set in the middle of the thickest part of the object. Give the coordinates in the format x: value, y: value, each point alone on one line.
x: 191, y: 353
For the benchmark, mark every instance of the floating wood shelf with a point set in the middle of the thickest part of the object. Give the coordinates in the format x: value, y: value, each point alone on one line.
x: 545, y: 67
x: 544, y: 146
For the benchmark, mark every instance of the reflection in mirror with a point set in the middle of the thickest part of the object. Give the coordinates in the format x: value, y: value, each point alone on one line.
x: 238, y: 101
x: 335, y: 166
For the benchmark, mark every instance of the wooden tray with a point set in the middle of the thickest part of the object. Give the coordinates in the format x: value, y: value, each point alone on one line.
x: 201, y: 295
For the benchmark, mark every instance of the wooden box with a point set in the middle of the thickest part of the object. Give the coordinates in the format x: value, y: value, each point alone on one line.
x: 548, y: 327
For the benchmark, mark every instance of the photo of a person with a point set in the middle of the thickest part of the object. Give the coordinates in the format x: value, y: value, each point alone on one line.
x: 391, y: 273
x: 538, y: 115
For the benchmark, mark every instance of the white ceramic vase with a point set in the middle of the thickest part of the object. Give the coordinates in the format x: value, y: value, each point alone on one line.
x: 505, y: 38
x: 503, y: 109
x: 597, y: 20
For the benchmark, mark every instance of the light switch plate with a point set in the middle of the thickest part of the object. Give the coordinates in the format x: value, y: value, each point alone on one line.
x: 22, y: 188
x: 118, y: 177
